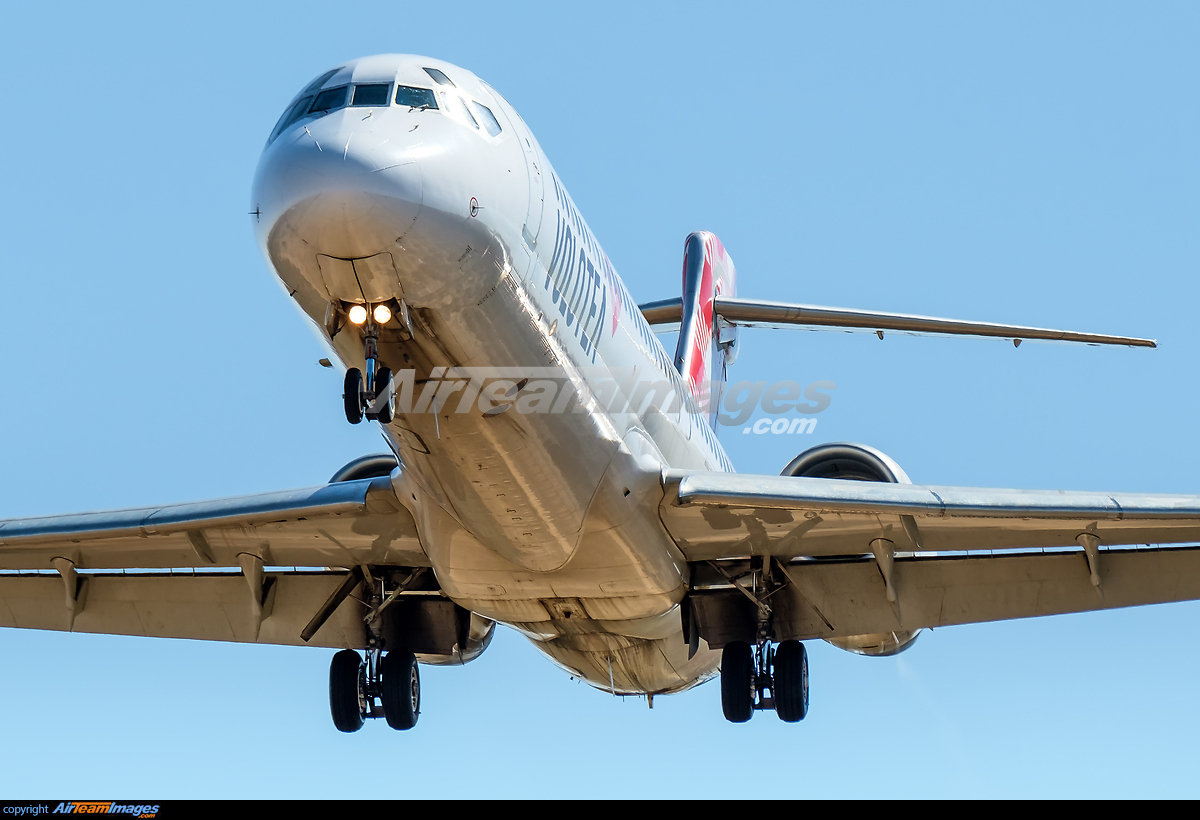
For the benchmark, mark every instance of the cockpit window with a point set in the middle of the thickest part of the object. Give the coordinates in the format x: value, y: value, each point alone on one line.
x: 439, y: 77
x: 371, y: 94
x: 329, y: 99
x: 320, y: 81
x: 297, y: 110
x: 490, y: 124
x: 461, y: 108
x: 415, y: 97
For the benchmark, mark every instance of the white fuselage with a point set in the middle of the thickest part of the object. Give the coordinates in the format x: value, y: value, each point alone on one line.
x: 546, y: 520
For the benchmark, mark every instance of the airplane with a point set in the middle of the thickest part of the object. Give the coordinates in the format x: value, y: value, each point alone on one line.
x: 539, y: 475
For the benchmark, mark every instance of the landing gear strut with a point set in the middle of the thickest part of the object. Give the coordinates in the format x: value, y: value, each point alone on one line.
x: 379, y: 686
x: 374, y: 396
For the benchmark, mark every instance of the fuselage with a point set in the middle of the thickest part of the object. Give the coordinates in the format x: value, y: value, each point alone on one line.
x: 534, y: 466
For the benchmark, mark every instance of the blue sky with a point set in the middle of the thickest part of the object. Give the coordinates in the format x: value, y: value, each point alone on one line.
x: 1016, y: 162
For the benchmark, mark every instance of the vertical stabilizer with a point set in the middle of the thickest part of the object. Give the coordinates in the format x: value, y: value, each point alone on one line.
x: 705, y: 348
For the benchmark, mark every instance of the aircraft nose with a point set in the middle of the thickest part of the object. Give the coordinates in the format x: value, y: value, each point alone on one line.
x: 340, y: 185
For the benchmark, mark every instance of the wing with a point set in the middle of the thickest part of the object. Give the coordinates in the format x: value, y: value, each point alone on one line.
x: 862, y: 557
x: 268, y: 568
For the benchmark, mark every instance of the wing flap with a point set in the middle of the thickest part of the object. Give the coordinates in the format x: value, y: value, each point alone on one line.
x: 840, y: 598
x: 205, y: 606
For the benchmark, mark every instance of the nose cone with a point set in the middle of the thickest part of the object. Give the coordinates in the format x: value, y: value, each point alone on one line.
x: 339, y: 185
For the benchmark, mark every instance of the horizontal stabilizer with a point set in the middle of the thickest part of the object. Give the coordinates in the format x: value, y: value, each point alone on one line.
x: 751, y: 312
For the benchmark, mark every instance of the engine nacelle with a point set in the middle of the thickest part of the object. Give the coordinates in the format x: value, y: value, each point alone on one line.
x: 856, y: 462
x: 877, y: 644
x: 475, y: 638
x: 436, y: 630
x: 372, y: 466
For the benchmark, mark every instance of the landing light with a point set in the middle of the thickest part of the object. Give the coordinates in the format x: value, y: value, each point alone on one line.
x: 383, y: 314
x: 358, y: 314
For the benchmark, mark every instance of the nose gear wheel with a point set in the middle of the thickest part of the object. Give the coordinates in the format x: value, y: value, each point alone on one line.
x: 371, y: 394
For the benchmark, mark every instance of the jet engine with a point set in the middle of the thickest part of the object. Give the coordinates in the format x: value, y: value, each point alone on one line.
x: 372, y: 466
x: 856, y: 462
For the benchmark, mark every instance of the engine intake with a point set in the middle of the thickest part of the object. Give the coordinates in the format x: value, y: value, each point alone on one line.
x: 855, y: 462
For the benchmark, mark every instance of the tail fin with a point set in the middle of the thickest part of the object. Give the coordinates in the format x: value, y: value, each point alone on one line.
x: 704, y: 347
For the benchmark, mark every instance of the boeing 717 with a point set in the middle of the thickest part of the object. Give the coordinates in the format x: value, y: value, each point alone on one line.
x: 550, y: 466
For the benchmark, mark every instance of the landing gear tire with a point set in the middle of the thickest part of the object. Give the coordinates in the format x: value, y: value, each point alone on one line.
x: 385, y: 396
x: 352, y: 392
x: 345, y: 686
x: 790, y: 681
x: 737, y: 681
x: 400, y: 689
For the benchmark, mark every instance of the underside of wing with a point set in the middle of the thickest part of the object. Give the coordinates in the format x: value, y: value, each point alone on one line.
x: 858, y: 557
x: 270, y: 568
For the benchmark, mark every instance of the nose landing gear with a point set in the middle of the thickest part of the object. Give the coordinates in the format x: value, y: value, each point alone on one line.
x: 374, y: 396
x: 352, y: 395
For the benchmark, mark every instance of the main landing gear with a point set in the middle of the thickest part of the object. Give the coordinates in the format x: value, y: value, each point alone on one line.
x: 374, y: 396
x: 382, y: 685
x: 748, y: 673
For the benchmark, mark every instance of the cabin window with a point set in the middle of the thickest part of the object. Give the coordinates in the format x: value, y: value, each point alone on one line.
x: 415, y: 97
x: 371, y: 94
x: 490, y: 124
x: 329, y: 99
x: 439, y: 77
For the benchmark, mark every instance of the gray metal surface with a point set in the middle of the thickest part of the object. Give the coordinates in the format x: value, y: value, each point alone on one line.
x: 721, y: 515
x: 752, y: 312
x: 748, y: 312
x: 213, y: 607
x: 829, y: 599
x: 334, y: 525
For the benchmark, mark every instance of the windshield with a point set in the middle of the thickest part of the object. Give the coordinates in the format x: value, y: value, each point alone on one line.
x: 371, y: 94
x: 329, y: 99
x: 415, y: 97
x: 295, y: 112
